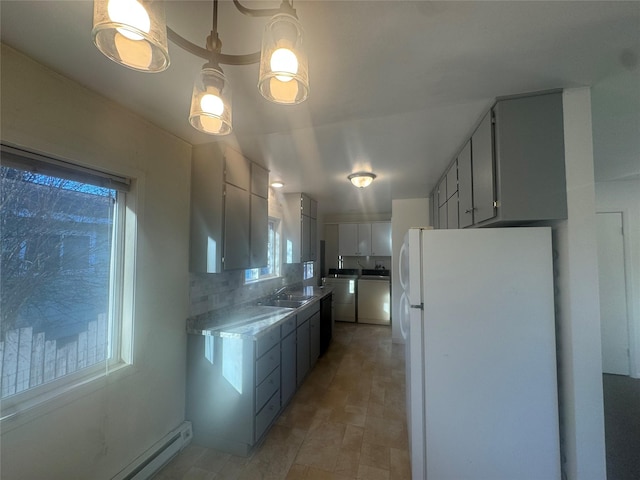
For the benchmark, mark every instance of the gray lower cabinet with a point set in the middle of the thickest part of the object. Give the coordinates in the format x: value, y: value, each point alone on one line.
x: 288, y: 360
x: 224, y: 389
x: 237, y: 386
x: 307, y: 345
x: 314, y: 339
x: 302, y: 350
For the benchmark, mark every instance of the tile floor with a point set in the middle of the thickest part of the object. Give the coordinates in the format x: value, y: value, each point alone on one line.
x: 347, y: 421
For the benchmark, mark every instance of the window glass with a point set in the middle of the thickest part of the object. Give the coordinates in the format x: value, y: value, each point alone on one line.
x: 58, y: 278
x: 273, y: 256
x: 308, y: 270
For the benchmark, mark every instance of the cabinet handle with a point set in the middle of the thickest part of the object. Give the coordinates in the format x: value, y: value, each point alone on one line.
x: 470, y: 210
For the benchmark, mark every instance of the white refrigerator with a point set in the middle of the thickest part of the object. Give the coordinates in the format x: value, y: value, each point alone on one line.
x: 481, y: 354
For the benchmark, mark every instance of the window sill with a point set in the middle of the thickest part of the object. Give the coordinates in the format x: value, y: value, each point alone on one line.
x: 15, y: 412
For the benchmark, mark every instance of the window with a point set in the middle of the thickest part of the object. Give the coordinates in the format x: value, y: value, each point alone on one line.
x: 308, y: 270
x: 273, y: 256
x: 61, y: 274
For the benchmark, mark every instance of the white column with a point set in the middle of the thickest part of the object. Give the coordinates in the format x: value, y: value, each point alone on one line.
x: 578, y: 317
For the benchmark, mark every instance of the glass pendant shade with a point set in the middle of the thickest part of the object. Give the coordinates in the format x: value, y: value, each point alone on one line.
x: 132, y: 33
x: 211, y: 103
x: 284, y: 69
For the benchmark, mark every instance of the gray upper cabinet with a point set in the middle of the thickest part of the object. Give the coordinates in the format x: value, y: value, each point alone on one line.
x: 237, y: 169
x: 512, y: 171
x: 300, y: 230
x: 228, y: 221
x: 259, y: 231
x: 452, y: 180
x: 237, y: 212
x: 259, y: 181
x: 465, y: 192
x: 482, y: 171
x: 259, y: 216
x: 529, y: 138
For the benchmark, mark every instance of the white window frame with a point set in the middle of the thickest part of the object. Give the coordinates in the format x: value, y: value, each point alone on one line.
x: 120, y: 314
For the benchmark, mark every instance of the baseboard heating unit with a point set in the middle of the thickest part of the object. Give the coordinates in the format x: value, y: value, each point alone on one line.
x: 156, y: 457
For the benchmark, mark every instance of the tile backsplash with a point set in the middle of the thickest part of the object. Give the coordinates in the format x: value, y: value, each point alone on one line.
x: 209, y: 292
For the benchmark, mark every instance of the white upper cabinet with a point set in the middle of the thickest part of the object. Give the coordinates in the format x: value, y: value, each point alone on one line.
x: 364, y: 239
x: 381, y: 239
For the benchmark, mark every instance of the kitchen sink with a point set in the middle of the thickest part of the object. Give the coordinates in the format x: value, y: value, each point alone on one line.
x: 285, y: 303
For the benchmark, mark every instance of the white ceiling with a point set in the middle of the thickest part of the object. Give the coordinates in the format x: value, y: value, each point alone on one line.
x: 396, y: 86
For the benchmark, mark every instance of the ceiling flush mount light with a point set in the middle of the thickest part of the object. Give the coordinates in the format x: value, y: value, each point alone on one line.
x: 361, y: 179
x: 134, y: 33
x: 277, y: 184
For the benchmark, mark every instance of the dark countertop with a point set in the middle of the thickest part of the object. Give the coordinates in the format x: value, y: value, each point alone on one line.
x: 251, y: 320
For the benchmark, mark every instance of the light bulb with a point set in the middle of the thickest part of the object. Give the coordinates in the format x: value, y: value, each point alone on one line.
x: 212, y: 104
x: 132, y: 13
x: 283, y: 91
x: 210, y: 124
x: 132, y: 52
x: 212, y: 107
x: 285, y: 61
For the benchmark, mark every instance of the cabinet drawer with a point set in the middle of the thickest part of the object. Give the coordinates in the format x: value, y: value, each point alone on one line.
x: 288, y: 326
x: 308, y: 312
x: 266, y: 341
x: 267, y: 388
x: 266, y: 364
x: 267, y: 414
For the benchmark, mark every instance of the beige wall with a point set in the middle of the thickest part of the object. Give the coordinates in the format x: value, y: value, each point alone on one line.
x: 93, y: 433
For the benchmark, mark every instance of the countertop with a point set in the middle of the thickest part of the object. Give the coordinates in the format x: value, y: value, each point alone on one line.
x: 253, y: 320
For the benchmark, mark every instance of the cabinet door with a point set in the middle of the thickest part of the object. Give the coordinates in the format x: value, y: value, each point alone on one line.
x: 452, y: 179
x: 381, y: 239
x: 237, y: 169
x: 314, y: 339
x: 306, y: 239
x: 302, y: 352
x: 236, y: 228
x: 364, y: 239
x: 442, y: 192
x: 259, y: 231
x: 433, y: 209
x: 313, y: 208
x: 305, y: 204
x: 259, y: 181
x: 288, y: 367
x: 465, y: 192
x: 442, y: 216
x: 347, y: 239
x: 313, y: 239
x: 452, y: 211
x: 483, y: 175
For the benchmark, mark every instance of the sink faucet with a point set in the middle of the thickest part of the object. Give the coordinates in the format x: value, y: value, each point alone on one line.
x: 279, y: 291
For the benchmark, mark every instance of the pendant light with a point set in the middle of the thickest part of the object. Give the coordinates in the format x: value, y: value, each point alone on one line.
x: 284, y: 70
x: 211, y: 102
x: 132, y: 33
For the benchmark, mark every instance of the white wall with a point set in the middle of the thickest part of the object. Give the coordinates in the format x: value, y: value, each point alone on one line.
x: 577, y: 305
x: 95, y: 434
x: 624, y: 196
x: 405, y: 213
